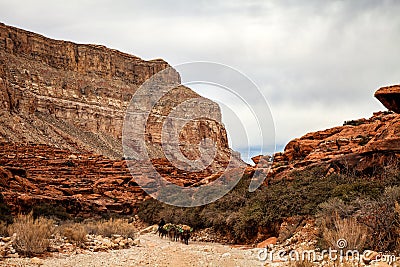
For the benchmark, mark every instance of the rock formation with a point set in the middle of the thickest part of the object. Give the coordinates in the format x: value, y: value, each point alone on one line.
x: 85, y: 184
x: 65, y: 94
x: 360, y: 146
x: 75, y: 96
x: 389, y: 97
x: 62, y: 109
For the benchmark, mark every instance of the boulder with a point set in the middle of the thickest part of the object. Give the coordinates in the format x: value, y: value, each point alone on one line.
x: 390, y: 97
x: 150, y: 229
x: 266, y: 243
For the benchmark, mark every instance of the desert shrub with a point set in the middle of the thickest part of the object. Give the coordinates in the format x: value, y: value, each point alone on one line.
x: 74, y: 232
x: 172, y: 194
x: 357, y: 189
x: 334, y: 206
x: 349, y: 229
x: 111, y: 227
x: 391, y: 171
x: 32, y: 235
x: 149, y: 211
x: 354, y: 122
x: 380, y: 216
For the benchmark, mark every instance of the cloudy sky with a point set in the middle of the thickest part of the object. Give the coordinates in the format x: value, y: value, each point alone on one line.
x: 317, y: 63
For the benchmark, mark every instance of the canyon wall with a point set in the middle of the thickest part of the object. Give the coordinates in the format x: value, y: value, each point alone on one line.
x: 62, y: 111
x: 74, y: 96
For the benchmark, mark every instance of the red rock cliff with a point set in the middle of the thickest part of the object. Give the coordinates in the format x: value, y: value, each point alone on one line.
x: 74, y: 96
x: 62, y: 108
x: 359, y: 146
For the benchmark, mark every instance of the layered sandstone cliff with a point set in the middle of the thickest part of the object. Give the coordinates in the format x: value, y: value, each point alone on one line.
x: 62, y: 111
x: 74, y: 96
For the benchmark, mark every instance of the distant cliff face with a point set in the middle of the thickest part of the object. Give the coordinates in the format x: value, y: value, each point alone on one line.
x: 74, y: 96
x: 79, y: 58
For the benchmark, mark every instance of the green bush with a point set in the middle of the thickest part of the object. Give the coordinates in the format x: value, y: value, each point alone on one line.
x: 240, y: 214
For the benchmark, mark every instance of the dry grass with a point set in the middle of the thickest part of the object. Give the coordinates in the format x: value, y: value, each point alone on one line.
x: 74, y: 232
x: 111, y: 227
x: 349, y: 229
x: 32, y: 235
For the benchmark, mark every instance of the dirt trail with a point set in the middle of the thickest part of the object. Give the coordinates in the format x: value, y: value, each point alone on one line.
x: 152, y: 251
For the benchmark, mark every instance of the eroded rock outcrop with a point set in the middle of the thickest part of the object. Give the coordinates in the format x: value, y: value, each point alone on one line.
x: 360, y: 146
x: 364, y: 146
x: 390, y: 97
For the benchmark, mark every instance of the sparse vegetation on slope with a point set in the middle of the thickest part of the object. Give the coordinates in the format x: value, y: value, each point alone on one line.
x: 377, y: 218
x: 367, y: 202
x: 338, y: 202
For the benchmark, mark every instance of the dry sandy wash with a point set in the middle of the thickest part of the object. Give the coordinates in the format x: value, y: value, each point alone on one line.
x: 152, y: 251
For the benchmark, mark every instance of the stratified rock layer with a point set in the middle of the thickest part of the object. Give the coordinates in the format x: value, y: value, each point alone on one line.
x: 65, y: 94
x: 85, y: 184
x: 361, y: 146
x: 74, y: 96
